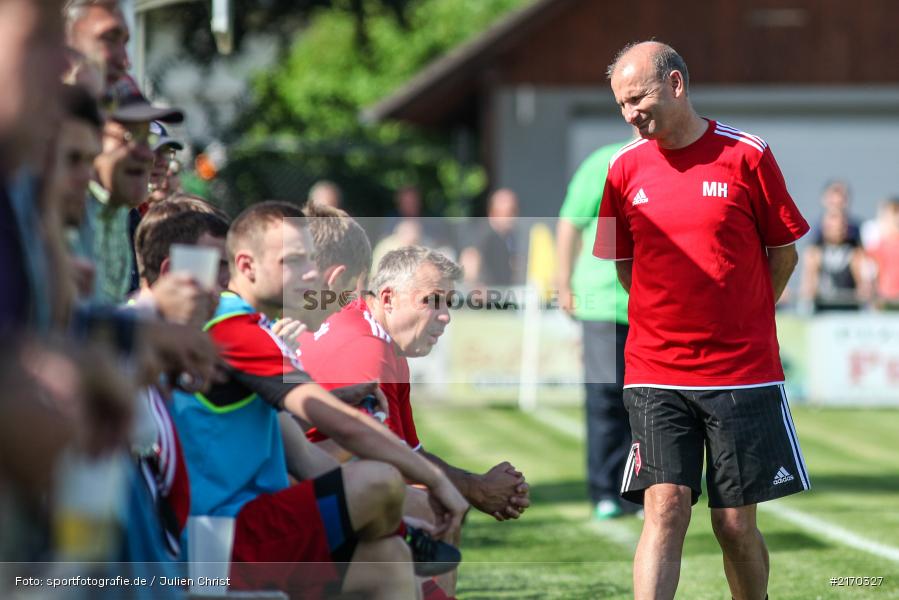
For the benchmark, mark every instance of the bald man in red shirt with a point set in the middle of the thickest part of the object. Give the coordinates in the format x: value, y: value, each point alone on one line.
x: 697, y: 215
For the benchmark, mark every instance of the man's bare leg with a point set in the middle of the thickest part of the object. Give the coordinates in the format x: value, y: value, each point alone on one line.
x: 667, y: 510
x: 417, y: 505
x: 745, y: 555
x: 382, y: 570
x: 374, y: 495
x: 381, y: 566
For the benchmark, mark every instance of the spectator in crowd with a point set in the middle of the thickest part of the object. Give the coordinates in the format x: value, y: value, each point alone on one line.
x: 836, y: 198
x: 407, y: 232
x: 122, y: 174
x: 29, y: 455
x: 178, y: 297
x: 164, y: 180
x: 68, y: 236
x: 408, y: 203
x: 84, y: 407
x: 885, y: 254
x: 492, y: 259
x: 77, y: 146
x: 589, y: 291
x: 32, y: 60
x: 85, y: 73
x: 409, y: 207
x: 98, y: 30
x: 343, y: 515
x: 873, y: 228
x: 326, y: 193
x: 833, y: 270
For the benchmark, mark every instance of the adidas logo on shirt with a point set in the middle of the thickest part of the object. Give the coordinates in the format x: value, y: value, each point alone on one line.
x: 640, y: 198
x: 782, y: 476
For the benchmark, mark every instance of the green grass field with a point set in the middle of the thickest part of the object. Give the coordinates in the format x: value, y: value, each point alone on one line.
x: 848, y: 525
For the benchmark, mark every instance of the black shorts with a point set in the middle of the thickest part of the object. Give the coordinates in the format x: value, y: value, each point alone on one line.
x: 751, y: 449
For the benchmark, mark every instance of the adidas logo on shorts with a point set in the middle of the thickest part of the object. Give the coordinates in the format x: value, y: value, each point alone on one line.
x: 782, y: 476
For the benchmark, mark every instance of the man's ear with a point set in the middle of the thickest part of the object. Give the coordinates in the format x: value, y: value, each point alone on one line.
x: 333, y: 276
x: 387, y: 298
x: 165, y: 266
x: 677, y: 83
x: 246, y: 265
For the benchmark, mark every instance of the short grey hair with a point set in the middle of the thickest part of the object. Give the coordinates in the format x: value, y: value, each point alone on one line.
x: 664, y: 61
x: 74, y: 10
x: 398, y: 267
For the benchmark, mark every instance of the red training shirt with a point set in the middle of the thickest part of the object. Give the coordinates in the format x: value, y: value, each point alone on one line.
x: 352, y: 347
x: 696, y: 222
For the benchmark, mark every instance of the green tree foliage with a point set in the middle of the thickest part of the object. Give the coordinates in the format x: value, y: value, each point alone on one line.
x: 305, y: 123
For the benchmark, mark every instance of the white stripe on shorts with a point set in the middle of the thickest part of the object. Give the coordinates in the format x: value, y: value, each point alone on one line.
x: 794, y: 439
x: 628, y: 471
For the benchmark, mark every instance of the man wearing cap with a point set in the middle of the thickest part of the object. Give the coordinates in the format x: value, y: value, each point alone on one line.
x: 120, y: 185
x: 164, y: 175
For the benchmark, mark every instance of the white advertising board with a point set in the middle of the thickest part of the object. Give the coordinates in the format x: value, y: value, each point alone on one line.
x: 854, y: 359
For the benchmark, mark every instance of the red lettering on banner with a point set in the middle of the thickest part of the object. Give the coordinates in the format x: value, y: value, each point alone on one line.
x: 893, y: 371
x: 865, y: 363
x: 860, y: 362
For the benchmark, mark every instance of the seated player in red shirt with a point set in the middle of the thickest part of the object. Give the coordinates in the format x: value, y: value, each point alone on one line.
x: 371, y: 338
x: 236, y: 451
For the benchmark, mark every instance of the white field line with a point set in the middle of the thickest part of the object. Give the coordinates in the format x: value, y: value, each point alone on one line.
x: 815, y: 525
x: 828, y: 530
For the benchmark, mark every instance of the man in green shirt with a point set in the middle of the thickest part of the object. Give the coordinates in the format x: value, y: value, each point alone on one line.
x: 590, y: 292
x: 122, y: 175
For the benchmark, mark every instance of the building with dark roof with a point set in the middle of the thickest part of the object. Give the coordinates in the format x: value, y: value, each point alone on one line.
x: 529, y: 98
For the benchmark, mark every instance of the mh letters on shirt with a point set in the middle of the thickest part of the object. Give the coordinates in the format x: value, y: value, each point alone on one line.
x: 714, y: 189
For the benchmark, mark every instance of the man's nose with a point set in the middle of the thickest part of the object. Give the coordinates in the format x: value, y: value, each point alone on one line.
x: 143, y: 152
x: 630, y: 115
x: 121, y: 57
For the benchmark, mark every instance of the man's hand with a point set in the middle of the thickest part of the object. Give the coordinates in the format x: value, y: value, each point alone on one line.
x: 289, y: 330
x: 185, y: 354
x: 364, y: 438
x: 517, y: 503
x: 356, y: 393
x: 180, y: 299
x: 501, y: 492
x: 568, y: 240
x: 449, y: 506
x: 566, y: 300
